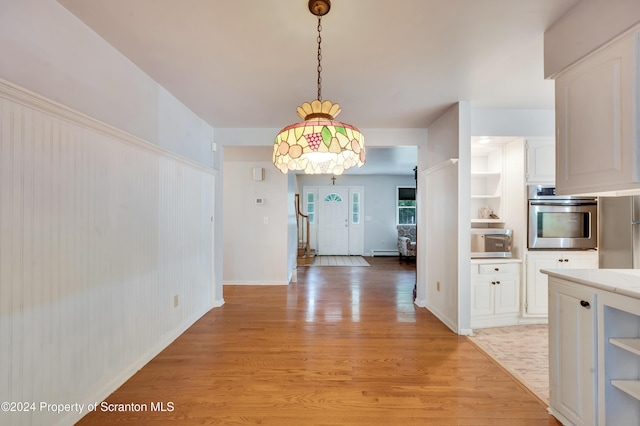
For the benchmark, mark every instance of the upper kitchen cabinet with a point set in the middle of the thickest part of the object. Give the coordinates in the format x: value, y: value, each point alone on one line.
x: 597, y: 113
x: 540, y: 161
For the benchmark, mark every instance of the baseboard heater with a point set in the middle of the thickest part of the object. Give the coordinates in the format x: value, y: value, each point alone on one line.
x: 375, y: 253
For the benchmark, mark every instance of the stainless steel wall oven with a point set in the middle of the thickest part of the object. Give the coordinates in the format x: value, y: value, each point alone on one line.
x: 561, y: 222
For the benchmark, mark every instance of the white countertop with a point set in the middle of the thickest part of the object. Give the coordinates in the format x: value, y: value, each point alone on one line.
x: 620, y: 281
x: 494, y: 260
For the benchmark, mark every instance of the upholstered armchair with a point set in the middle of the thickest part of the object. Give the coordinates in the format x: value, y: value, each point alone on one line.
x: 407, y: 241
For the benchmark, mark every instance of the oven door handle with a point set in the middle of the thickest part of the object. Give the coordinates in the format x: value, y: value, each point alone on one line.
x: 542, y: 203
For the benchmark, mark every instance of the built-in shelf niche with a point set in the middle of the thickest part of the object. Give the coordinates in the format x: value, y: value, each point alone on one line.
x: 622, y: 366
x: 486, y: 186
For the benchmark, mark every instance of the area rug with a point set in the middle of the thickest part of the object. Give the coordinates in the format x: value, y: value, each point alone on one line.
x: 339, y: 261
x: 522, y: 350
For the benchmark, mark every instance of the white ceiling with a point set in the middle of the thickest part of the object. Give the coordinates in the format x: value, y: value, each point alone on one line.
x: 389, y: 64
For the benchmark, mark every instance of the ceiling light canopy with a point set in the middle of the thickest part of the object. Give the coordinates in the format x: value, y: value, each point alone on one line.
x: 319, y: 144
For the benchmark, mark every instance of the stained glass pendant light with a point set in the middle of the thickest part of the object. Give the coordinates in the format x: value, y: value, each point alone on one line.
x: 319, y: 144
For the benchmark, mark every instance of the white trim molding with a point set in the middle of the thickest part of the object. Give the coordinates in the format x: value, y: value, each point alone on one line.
x: 37, y: 102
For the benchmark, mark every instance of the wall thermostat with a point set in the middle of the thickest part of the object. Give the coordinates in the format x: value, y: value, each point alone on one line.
x: 258, y: 173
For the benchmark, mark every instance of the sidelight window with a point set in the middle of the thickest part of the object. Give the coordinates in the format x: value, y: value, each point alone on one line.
x: 311, y: 207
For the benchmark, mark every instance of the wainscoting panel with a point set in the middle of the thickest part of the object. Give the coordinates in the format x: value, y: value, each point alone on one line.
x: 105, y: 254
x: 441, y: 248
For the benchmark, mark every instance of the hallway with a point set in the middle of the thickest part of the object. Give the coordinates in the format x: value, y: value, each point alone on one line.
x: 342, y: 346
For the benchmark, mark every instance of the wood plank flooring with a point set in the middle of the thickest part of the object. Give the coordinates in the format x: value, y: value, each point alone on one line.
x: 342, y: 346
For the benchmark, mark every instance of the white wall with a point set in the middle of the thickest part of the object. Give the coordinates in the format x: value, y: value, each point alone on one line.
x: 101, y: 231
x: 89, y: 274
x: 292, y: 229
x: 515, y: 196
x: 447, y: 185
x: 589, y: 25
x: 464, y: 218
x: 514, y: 122
x: 255, y: 252
x: 424, y: 203
x: 49, y: 51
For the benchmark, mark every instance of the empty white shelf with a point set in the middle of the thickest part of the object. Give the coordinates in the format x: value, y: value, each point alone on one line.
x: 487, y: 221
x: 631, y: 387
x: 631, y: 345
x: 485, y: 174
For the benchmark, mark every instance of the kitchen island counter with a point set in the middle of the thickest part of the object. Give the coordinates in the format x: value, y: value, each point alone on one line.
x: 620, y: 281
x: 594, y: 346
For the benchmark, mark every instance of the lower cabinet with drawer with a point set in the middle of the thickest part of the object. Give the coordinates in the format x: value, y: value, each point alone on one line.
x: 495, y: 294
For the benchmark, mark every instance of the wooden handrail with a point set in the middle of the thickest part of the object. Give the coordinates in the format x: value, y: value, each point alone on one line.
x: 298, y: 211
x: 305, y: 231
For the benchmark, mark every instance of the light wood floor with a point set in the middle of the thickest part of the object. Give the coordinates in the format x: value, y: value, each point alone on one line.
x: 342, y: 346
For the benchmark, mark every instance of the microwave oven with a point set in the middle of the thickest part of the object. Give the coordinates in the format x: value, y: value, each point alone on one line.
x: 488, y: 243
x: 561, y: 222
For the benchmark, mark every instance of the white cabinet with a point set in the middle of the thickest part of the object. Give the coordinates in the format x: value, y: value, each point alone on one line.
x: 619, y: 371
x: 540, y: 161
x: 594, y: 347
x: 596, y: 121
x: 486, y: 184
x: 495, y: 294
x: 572, y: 353
x: 536, y: 288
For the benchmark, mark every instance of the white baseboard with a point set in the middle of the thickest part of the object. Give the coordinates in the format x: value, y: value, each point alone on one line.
x: 494, y: 321
x: 533, y: 320
x: 382, y: 252
x: 562, y: 419
x: 124, y: 375
x: 446, y: 321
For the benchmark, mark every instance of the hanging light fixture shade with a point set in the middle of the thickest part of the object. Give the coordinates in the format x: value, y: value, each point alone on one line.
x: 319, y: 144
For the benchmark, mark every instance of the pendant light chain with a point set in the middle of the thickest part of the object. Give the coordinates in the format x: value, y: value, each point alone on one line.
x: 319, y: 59
x: 319, y: 144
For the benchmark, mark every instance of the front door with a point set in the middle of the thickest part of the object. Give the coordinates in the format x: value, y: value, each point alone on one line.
x: 333, y: 220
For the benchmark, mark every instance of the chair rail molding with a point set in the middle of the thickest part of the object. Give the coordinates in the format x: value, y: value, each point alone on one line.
x: 27, y: 98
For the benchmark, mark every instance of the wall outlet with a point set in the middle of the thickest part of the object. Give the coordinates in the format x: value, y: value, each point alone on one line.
x: 175, y: 301
x: 437, y: 286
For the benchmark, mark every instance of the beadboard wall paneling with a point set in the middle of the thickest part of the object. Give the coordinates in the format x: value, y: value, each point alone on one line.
x: 100, y: 232
x: 440, y: 250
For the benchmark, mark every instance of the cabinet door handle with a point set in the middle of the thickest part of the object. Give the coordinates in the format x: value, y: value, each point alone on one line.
x: 496, y: 269
x: 585, y: 304
x: 497, y: 282
x: 566, y: 260
x: 561, y: 260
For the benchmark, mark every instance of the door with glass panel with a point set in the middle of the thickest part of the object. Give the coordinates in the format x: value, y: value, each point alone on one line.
x: 333, y: 220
